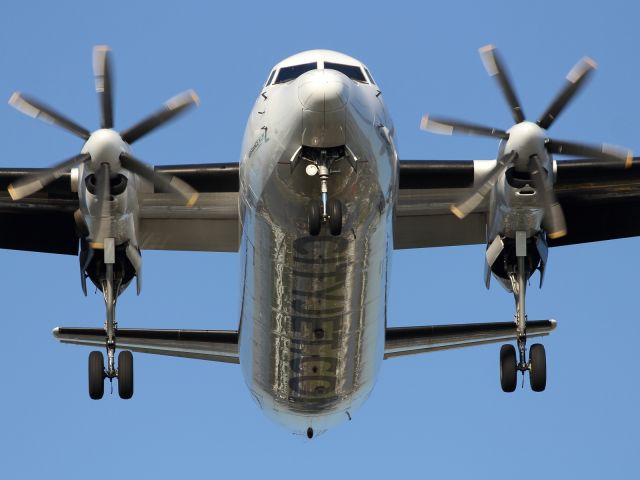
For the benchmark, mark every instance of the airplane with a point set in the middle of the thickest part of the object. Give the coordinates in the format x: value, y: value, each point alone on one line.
x: 315, y: 207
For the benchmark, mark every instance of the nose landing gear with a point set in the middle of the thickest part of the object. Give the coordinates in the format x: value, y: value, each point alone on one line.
x: 537, y: 363
x: 97, y: 371
x: 330, y: 210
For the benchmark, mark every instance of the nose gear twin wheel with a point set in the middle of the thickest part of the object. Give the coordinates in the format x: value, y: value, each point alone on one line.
x: 333, y: 217
x: 537, y: 367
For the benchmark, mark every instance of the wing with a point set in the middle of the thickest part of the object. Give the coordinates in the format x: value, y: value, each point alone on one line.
x: 599, y: 202
x: 44, y: 222
x: 413, y: 340
x: 213, y: 345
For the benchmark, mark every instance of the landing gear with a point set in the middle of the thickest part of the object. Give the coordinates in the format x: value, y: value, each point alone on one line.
x: 508, y: 368
x: 96, y: 375
x: 330, y: 210
x: 537, y: 364
x: 537, y: 367
x: 335, y: 217
x: 125, y: 374
x: 315, y: 219
x: 97, y: 370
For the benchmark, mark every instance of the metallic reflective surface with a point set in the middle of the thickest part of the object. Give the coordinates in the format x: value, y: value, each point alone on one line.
x: 313, y: 308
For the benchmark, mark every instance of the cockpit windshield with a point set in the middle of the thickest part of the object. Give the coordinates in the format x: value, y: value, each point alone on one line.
x: 352, y: 71
x: 286, y: 74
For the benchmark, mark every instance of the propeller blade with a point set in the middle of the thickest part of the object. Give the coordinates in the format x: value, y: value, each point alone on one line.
x: 554, y: 222
x: 575, y: 80
x: 102, y: 70
x: 608, y: 153
x: 34, y: 183
x: 164, y: 182
x: 470, y: 204
x: 171, y: 108
x: 34, y: 108
x: 445, y: 126
x: 103, y: 196
x: 495, y: 67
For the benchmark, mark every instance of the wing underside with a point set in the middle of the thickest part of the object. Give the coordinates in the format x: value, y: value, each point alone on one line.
x: 599, y: 202
x: 213, y: 345
x: 403, y: 341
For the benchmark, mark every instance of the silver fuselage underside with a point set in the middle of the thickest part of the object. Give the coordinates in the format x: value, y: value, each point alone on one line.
x: 313, y: 309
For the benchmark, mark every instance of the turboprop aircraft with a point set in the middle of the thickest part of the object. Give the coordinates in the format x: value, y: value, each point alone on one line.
x: 315, y: 207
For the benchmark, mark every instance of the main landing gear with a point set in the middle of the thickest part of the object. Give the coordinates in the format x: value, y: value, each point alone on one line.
x: 329, y: 211
x: 97, y: 370
x: 537, y: 363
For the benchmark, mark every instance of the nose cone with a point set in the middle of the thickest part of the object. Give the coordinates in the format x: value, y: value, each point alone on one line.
x: 527, y: 139
x: 323, y: 90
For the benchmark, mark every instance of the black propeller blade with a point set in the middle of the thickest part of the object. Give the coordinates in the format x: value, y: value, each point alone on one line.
x: 445, y: 126
x: 575, y: 80
x: 34, y: 108
x: 494, y: 66
x: 171, y: 108
x: 103, y: 195
x: 554, y: 223
x: 33, y: 183
x: 102, y: 70
x: 167, y: 183
x: 608, y: 153
x: 470, y: 204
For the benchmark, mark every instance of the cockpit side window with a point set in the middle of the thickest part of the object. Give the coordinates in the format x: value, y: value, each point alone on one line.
x: 352, y: 71
x: 366, y: 70
x: 286, y: 74
x: 273, y: 72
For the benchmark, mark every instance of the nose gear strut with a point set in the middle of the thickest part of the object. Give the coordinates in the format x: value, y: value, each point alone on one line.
x: 330, y: 209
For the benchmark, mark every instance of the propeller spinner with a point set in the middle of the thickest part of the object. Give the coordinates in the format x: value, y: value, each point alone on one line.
x: 526, y: 141
x: 105, y: 151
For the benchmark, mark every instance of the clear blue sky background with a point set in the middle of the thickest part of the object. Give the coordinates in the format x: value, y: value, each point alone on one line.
x: 440, y: 415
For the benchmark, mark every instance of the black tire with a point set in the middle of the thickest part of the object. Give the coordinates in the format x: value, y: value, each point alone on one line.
x: 315, y: 219
x: 125, y: 374
x: 538, y: 372
x: 96, y: 375
x: 508, y: 368
x: 334, y: 208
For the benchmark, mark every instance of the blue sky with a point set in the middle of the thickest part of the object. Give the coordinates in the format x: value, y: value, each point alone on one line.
x: 438, y: 415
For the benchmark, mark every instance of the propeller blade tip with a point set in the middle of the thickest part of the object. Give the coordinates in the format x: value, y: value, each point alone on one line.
x: 457, y: 212
x: 629, y: 160
x: 13, y: 193
x: 487, y: 48
x: 193, y: 199
x: 488, y: 59
x: 96, y: 245
x: 194, y: 96
x: 591, y: 62
x: 557, y: 234
x: 15, y: 98
x: 424, y: 123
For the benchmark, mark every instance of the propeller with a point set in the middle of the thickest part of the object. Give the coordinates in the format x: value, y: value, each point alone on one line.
x: 105, y: 151
x: 527, y: 137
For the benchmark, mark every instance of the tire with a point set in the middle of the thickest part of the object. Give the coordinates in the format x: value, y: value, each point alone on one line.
x: 508, y: 368
x: 315, y: 219
x: 538, y: 372
x: 125, y: 374
x: 334, y: 208
x: 96, y: 375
